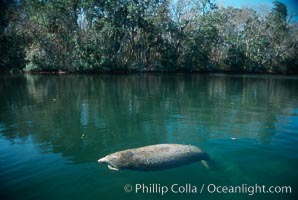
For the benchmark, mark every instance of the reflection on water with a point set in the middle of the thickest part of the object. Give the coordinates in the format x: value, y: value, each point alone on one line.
x: 83, y: 117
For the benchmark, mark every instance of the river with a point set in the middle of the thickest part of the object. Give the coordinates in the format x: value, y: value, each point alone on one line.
x: 54, y: 128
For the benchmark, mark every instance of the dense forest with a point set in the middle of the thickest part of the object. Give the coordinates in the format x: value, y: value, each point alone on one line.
x: 146, y: 35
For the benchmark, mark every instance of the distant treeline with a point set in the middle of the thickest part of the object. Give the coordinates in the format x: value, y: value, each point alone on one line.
x: 151, y: 35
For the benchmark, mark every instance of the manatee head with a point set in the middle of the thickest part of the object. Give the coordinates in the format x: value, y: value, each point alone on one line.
x: 119, y: 160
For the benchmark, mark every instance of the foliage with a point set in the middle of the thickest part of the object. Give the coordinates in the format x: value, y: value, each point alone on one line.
x: 150, y: 35
x: 12, y: 43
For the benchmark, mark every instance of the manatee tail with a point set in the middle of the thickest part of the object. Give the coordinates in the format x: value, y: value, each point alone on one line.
x: 208, y: 163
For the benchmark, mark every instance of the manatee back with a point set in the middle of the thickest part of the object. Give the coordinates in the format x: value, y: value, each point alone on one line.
x: 163, y: 156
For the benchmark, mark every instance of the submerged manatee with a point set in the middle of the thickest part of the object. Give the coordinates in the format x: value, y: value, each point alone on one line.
x: 155, y: 157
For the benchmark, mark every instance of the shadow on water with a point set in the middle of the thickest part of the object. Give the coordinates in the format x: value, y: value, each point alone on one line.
x: 95, y: 114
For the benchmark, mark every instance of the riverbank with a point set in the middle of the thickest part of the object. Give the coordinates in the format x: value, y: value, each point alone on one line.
x: 133, y: 71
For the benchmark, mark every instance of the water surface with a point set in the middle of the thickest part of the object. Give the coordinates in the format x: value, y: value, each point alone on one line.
x: 54, y: 128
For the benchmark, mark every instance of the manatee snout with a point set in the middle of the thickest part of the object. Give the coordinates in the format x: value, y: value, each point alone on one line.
x: 111, y: 161
x: 103, y: 160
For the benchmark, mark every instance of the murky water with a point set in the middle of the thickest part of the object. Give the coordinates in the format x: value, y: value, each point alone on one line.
x: 54, y: 128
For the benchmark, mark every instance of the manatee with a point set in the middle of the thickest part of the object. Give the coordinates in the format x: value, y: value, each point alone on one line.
x: 156, y: 157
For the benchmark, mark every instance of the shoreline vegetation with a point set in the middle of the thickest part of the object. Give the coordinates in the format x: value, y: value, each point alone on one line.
x: 122, y: 72
x: 129, y: 36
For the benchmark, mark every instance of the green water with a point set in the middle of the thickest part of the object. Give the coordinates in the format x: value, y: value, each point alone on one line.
x: 53, y: 129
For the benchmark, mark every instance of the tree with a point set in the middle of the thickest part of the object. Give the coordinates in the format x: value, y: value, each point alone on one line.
x: 125, y: 35
x: 12, y: 43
